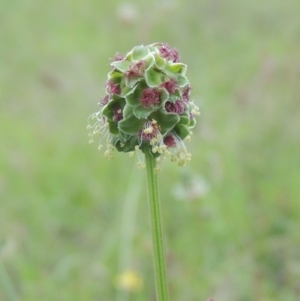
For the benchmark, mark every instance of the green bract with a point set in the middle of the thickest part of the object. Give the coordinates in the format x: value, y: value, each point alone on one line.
x: 147, y: 104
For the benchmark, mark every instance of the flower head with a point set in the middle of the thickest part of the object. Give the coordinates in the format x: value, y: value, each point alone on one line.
x: 147, y: 105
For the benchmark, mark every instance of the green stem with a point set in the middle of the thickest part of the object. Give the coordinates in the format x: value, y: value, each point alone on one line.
x: 157, y: 239
x: 7, y: 284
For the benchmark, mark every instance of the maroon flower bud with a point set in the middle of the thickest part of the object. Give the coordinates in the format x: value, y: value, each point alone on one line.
x: 118, y: 114
x: 104, y: 100
x: 186, y: 93
x: 136, y: 69
x: 175, y: 107
x: 168, y: 53
x: 149, y: 97
x: 170, y: 86
x: 112, y: 88
x: 118, y: 57
x: 169, y: 141
x: 150, y: 131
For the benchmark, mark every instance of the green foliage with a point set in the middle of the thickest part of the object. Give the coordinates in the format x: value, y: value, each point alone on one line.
x: 153, y: 77
x: 61, y: 201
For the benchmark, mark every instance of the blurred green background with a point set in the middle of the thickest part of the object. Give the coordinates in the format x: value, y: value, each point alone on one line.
x: 71, y: 222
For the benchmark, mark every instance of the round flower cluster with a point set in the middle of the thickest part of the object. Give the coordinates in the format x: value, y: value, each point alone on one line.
x: 147, y: 105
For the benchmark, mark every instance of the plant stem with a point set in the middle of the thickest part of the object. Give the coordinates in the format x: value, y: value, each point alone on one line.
x: 157, y: 239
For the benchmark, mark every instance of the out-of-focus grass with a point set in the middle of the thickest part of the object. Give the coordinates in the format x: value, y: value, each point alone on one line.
x: 61, y: 201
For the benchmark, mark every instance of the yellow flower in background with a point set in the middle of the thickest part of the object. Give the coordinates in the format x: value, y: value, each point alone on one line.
x: 129, y: 280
